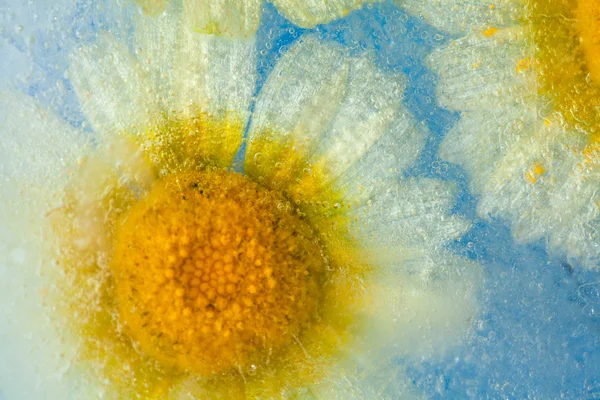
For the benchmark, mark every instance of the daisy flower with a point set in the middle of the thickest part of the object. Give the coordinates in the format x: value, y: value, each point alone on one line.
x: 139, y: 264
x: 524, y: 75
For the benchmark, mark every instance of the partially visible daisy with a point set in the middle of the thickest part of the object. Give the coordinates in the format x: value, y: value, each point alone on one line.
x: 525, y: 78
x: 139, y: 265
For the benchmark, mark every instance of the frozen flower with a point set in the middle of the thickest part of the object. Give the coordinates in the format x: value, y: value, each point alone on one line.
x: 524, y: 76
x: 138, y: 264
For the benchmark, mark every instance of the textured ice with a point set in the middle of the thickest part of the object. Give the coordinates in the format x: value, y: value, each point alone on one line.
x: 536, y: 333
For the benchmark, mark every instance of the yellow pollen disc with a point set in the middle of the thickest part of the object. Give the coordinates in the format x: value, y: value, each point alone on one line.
x: 213, y: 273
x: 175, y: 275
x: 566, y: 34
x: 588, y: 22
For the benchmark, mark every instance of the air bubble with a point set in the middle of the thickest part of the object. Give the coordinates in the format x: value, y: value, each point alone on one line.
x: 591, y: 310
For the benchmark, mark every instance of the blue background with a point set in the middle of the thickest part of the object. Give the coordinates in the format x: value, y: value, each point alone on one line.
x: 538, y: 336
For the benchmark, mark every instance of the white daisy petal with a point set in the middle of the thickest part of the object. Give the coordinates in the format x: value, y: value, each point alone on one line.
x: 424, y: 298
x: 302, y: 95
x: 155, y: 44
x: 33, y: 364
x: 309, y: 13
x: 215, y: 73
x: 37, y: 148
x: 407, y: 219
x: 114, y: 91
x: 232, y: 18
x: 578, y: 229
x: 428, y: 304
x: 504, y: 125
x: 333, y: 110
x: 428, y: 293
x: 368, y: 377
x: 478, y: 71
x: 458, y: 16
x: 385, y: 161
x: 495, y: 97
x: 371, y: 104
x: 420, y: 309
x: 503, y: 163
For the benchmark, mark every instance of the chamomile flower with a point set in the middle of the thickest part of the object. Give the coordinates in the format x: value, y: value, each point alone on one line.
x: 140, y: 265
x: 524, y: 76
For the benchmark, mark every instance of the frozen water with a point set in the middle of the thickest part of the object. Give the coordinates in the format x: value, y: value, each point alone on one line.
x: 538, y: 332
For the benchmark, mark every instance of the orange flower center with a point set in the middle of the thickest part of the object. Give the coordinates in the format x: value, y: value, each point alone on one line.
x: 213, y: 272
x: 588, y: 23
x: 567, y: 42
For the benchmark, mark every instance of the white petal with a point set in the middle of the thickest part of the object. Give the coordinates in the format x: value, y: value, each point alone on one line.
x: 368, y: 376
x: 371, y: 105
x: 427, y: 305
x: 155, y: 44
x: 115, y: 93
x: 309, y: 13
x: 302, y: 95
x: 577, y: 229
x: 478, y: 71
x: 215, y: 73
x: 458, y: 16
x: 503, y: 125
x: 33, y: 362
x: 326, y: 106
x: 418, y: 309
x: 407, y: 218
x: 37, y: 149
x: 383, y: 164
x: 232, y: 18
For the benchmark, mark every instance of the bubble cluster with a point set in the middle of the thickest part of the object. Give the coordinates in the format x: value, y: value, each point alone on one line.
x: 214, y: 272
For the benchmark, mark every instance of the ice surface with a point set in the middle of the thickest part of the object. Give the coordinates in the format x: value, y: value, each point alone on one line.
x: 537, y: 334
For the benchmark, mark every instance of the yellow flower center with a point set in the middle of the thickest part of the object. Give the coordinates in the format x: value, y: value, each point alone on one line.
x: 588, y: 23
x: 214, y: 272
x: 175, y: 274
x: 567, y: 42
